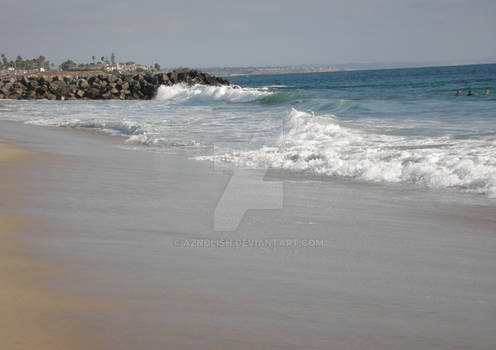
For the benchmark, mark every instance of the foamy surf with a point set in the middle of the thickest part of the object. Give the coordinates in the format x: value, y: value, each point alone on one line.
x: 135, y: 133
x: 322, y: 146
x: 155, y: 140
x: 110, y: 127
x: 181, y: 93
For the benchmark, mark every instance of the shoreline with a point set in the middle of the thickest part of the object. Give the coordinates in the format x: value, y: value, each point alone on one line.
x: 110, y: 246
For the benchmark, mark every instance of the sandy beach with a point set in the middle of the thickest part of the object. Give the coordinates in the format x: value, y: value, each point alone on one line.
x: 31, y: 315
x: 35, y: 314
x: 105, y: 247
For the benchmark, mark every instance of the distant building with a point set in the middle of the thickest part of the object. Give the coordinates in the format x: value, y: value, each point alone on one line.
x: 142, y: 66
x: 126, y: 67
x: 130, y: 67
x: 109, y: 68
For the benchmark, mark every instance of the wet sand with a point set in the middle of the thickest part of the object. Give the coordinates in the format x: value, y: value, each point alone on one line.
x: 118, y: 245
x: 30, y: 315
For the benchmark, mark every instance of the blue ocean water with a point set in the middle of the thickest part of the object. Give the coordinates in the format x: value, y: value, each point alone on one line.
x: 396, y: 125
x: 394, y: 95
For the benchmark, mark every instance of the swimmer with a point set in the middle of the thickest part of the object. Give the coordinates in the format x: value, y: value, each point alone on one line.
x: 486, y: 92
x: 469, y: 93
x: 458, y: 93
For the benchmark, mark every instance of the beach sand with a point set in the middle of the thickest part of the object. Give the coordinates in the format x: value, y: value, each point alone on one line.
x: 33, y: 313
x: 103, y: 249
x: 27, y: 313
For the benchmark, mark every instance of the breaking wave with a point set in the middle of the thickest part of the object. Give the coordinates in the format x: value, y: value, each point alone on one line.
x: 134, y: 133
x: 111, y: 127
x: 322, y: 145
x: 181, y: 93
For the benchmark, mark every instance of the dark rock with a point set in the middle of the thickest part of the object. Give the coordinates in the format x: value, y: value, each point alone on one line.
x: 32, y: 95
x: 40, y: 91
x: 123, y: 86
x: 24, y: 81
x: 92, y: 93
x: 5, y: 90
x: 135, y: 85
x: 58, y: 86
x: 163, y: 79
x: 33, y: 84
x: 107, y: 96
x: 147, y: 89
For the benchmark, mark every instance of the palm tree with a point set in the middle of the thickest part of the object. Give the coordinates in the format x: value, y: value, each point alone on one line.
x: 40, y: 61
x: 93, y: 58
x: 18, y: 62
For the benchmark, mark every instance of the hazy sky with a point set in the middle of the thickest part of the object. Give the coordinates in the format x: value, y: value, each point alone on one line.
x: 199, y: 33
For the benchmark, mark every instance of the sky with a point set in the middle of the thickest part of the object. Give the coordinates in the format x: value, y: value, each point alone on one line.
x: 208, y: 33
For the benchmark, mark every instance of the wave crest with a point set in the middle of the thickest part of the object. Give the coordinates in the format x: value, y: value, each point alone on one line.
x: 181, y: 93
x: 323, y: 146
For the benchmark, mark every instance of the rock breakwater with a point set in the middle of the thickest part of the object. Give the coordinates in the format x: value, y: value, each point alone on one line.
x: 101, y: 86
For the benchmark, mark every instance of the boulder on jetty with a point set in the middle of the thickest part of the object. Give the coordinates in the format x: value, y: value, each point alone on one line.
x: 100, y: 87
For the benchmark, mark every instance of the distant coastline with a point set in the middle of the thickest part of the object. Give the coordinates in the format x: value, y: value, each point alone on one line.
x: 313, y: 68
x: 267, y: 70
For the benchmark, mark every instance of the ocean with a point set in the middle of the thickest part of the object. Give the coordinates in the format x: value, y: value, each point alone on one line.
x: 403, y: 126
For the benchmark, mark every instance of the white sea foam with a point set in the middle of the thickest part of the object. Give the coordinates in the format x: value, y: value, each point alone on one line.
x: 136, y: 133
x: 155, y: 140
x: 320, y: 145
x: 181, y: 93
x: 111, y: 127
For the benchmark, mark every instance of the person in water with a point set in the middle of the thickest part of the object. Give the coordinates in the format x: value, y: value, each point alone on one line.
x: 458, y: 93
x: 469, y: 93
x: 486, y: 92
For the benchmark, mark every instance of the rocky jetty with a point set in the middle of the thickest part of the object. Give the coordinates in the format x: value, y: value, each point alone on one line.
x: 100, y: 87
